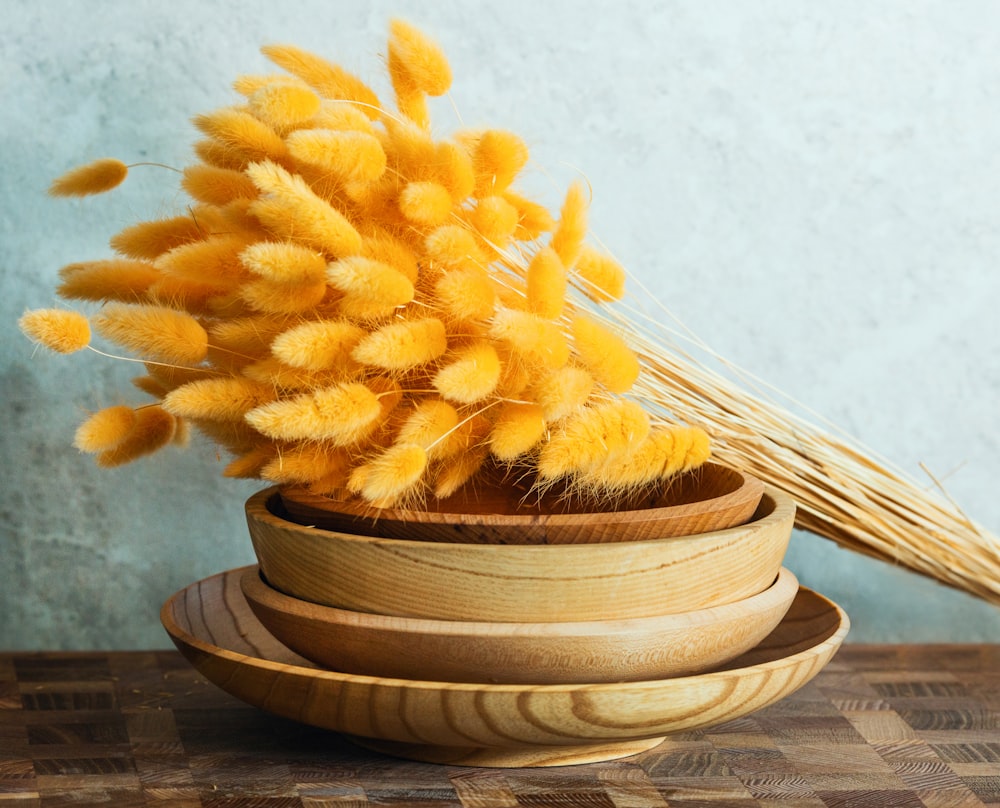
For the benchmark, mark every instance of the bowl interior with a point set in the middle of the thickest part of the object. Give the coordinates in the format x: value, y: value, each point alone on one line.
x: 503, y: 510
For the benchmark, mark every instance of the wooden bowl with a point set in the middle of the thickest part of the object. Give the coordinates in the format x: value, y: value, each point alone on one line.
x: 713, y: 497
x: 525, y: 653
x: 491, y: 725
x: 518, y: 583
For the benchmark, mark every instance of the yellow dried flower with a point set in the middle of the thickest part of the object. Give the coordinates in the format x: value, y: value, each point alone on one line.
x: 217, y: 399
x: 591, y: 437
x: 405, y: 345
x: 113, y: 279
x: 105, y: 429
x: 391, y: 475
x: 422, y: 60
x: 605, y: 354
x: 518, y: 428
x: 472, y: 374
x: 153, y: 429
x: 93, y: 178
x: 340, y: 414
x: 318, y: 345
x: 58, y: 330
x: 154, y: 332
x: 329, y: 80
x: 349, y: 156
x: 217, y: 186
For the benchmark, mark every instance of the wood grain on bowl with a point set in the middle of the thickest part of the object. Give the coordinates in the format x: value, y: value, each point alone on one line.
x: 211, y: 623
x: 520, y: 583
x: 521, y: 653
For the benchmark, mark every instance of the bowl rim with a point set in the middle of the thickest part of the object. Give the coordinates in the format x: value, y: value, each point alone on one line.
x: 782, y: 589
x: 748, y: 486
x: 832, y: 640
x: 257, y: 509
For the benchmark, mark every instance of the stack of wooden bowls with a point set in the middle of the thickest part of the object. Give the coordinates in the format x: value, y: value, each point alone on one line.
x: 503, y: 589
x: 501, y: 630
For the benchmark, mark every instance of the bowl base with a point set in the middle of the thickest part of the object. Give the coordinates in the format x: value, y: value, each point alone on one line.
x: 528, y: 757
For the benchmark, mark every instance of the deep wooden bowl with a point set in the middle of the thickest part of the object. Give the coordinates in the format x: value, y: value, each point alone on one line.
x: 520, y: 583
x: 712, y: 497
x: 491, y: 725
x: 520, y: 653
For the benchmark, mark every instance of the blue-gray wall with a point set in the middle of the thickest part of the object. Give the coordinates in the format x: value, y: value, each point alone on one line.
x: 814, y: 188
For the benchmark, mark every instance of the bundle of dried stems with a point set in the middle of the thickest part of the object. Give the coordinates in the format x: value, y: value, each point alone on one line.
x: 843, y: 490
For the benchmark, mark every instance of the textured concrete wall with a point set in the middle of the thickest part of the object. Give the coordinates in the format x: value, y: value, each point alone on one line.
x: 814, y: 188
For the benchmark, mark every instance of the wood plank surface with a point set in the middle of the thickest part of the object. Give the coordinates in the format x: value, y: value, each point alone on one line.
x: 889, y: 725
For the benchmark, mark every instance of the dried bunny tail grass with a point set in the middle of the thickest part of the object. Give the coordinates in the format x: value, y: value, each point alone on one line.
x: 371, y: 288
x: 605, y: 354
x: 561, y: 392
x: 459, y: 469
x: 284, y: 262
x: 287, y: 379
x: 247, y: 465
x: 452, y: 168
x: 282, y: 104
x: 292, y: 210
x: 153, y: 429
x: 241, y: 132
x: 279, y: 297
x: 56, y: 329
x: 349, y: 156
x: 225, y: 399
x: 391, y: 475
x: 421, y: 59
x: 305, y: 463
x: 249, y: 336
x: 546, y: 284
x: 150, y: 386
x: 148, y: 240
x: 472, y: 374
x: 495, y: 220
x: 599, y: 276
x: 427, y: 204
x: 154, y: 332
x: 105, y: 429
x: 535, y: 338
x: 215, y: 260
x: 118, y: 279
x: 93, y: 178
x: 668, y: 450
x: 533, y: 219
x: 318, y: 345
x: 571, y: 229
x: 592, y: 436
x: 340, y: 414
x: 428, y: 423
x: 452, y: 246
x: 497, y: 158
x: 329, y: 80
x: 465, y: 294
x: 217, y: 186
x: 387, y: 249
x: 517, y: 429
x: 403, y: 345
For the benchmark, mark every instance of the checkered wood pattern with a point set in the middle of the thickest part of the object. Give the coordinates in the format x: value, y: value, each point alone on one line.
x: 881, y: 726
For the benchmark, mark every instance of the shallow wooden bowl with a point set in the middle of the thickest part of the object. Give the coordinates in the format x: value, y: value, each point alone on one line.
x: 712, y: 497
x: 491, y: 725
x: 520, y: 583
x: 525, y: 653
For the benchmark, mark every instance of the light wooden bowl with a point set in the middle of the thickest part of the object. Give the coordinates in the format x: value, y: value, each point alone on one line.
x: 491, y: 725
x: 713, y: 497
x: 516, y: 583
x: 524, y: 653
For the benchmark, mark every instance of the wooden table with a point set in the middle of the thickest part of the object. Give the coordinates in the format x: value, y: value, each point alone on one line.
x: 891, y: 726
